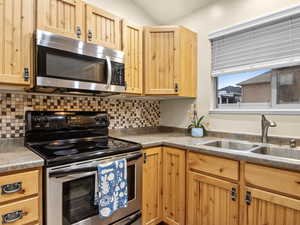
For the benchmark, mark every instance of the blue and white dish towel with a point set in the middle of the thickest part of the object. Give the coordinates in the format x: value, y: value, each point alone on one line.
x: 112, y: 187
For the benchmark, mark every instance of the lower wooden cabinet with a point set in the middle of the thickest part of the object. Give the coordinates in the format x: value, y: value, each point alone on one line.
x: 272, y: 209
x: 173, y: 186
x: 152, y: 186
x: 164, y: 186
x: 211, y: 201
x: 21, y: 197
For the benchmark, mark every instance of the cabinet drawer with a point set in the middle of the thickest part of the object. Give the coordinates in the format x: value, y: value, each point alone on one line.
x: 28, y: 207
x: 18, y: 185
x: 214, y: 165
x: 279, y: 180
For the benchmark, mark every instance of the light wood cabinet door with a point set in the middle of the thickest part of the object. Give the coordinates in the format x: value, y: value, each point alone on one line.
x: 211, y: 201
x: 132, y: 41
x: 161, y: 60
x: 268, y: 208
x: 173, y: 186
x: 102, y: 28
x: 152, y: 186
x: 17, y: 24
x: 63, y: 17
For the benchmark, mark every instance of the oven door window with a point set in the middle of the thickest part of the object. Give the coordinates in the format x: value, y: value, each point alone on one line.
x: 79, y: 200
x: 70, y: 66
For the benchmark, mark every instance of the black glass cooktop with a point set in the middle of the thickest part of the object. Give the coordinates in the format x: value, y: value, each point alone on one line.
x: 59, y: 152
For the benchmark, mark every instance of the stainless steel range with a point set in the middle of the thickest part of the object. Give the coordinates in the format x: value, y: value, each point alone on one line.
x: 72, y: 145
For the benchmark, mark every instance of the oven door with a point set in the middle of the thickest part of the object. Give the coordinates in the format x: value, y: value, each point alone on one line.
x: 70, y: 196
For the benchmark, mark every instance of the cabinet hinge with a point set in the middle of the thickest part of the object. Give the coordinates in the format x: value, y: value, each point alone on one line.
x: 90, y: 35
x: 145, y: 157
x: 176, y: 87
x: 248, y: 198
x: 233, y: 194
x: 78, y: 31
x: 26, y: 74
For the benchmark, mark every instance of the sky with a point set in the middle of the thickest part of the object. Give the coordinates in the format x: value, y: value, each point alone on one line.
x: 233, y: 79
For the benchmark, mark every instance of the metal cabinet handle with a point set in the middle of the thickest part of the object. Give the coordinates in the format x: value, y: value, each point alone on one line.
x: 248, y: 198
x: 176, y: 88
x: 12, y: 217
x: 11, y: 188
x: 78, y: 31
x: 233, y: 194
x: 90, y: 35
x: 26, y: 74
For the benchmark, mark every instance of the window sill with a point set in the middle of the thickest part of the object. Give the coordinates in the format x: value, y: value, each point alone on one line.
x: 256, y: 111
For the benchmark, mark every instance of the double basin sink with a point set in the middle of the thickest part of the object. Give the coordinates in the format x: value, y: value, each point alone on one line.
x: 255, y: 148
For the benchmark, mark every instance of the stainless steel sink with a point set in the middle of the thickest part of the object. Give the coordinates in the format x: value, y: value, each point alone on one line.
x: 278, y: 152
x: 232, y: 145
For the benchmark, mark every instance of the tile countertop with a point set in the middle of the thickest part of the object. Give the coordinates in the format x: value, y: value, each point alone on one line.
x: 179, y: 140
x: 15, y: 156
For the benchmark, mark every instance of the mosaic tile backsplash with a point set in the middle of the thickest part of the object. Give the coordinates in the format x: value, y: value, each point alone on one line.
x: 124, y: 113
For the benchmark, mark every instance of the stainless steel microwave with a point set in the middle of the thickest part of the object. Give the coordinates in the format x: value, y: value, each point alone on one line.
x: 73, y: 66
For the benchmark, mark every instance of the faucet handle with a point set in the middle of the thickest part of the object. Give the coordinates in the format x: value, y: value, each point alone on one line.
x: 293, y: 143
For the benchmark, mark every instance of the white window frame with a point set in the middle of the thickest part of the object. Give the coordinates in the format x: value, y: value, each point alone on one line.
x: 271, y: 107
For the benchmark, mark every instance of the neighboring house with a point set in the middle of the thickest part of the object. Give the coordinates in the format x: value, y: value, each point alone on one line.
x: 256, y: 89
x: 229, y: 94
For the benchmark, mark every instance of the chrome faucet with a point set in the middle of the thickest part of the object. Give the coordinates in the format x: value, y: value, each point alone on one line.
x: 265, y: 124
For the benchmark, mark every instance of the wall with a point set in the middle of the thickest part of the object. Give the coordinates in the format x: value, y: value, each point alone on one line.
x: 124, y: 9
x: 215, y: 16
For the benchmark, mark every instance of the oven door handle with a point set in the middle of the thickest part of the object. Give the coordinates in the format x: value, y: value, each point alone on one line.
x: 66, y: 172
x: 109, y: 72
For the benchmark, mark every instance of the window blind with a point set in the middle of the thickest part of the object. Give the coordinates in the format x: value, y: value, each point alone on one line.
x: 270, y: 45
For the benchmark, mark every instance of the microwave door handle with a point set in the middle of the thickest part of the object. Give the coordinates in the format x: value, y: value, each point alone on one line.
x: 109, y: 72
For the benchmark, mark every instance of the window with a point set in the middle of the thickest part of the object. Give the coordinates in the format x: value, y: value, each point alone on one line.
x: 261, y: 89
x: 267, y: 46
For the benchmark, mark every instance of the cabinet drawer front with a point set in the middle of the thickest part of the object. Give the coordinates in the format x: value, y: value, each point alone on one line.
x: 18, y: 185
x: 214, y: 165
x: 28, y: 207
x: 279, y: 180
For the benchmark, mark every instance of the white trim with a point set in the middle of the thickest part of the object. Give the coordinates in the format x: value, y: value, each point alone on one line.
x: 278, y: 15
x: 256, y: 111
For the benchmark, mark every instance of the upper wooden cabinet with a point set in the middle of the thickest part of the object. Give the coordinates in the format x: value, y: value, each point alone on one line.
x: 102, y: 28
x: 17, y: 23
x: 64, y: 17
x: 132, y: 44
x: 170, y: 61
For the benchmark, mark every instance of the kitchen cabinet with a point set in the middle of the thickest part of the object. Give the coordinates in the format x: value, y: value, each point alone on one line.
x: 267, y: 208
x: 173, y: 186
x: 211, y: 201
x: 152, y: 186
x: 170, y: 61
x: 21, y: 194
x: 63, y: 17
x: 102, y: 28
x: 132, y: 45
x: 17, y: 25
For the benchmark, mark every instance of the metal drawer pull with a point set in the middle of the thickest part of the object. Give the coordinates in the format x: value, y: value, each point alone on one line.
x: 13, y: 217
x: 11, y: 188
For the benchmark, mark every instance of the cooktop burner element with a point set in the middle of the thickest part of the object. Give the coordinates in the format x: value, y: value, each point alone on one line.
x: 66, y: 152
